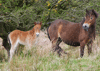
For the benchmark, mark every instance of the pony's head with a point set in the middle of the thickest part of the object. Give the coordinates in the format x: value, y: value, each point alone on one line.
x: 37, y: 28
x: 90, y: 19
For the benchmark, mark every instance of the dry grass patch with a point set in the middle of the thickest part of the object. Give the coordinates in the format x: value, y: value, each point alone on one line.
x: 40, y: 58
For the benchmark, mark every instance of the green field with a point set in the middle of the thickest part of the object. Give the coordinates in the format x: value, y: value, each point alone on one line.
x: 37, y: 59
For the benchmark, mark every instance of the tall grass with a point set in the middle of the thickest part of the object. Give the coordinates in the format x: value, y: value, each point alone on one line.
x: 37, y: 59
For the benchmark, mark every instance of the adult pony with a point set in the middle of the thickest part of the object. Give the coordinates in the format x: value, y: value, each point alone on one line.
x: 74, y: 34
x: 27, y: 38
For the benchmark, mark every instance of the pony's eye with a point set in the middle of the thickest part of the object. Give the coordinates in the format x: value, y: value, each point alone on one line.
x: 91, y: 18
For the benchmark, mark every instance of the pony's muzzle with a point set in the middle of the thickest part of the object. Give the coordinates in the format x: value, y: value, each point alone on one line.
x: 85, y: 26
x: 37, y: 34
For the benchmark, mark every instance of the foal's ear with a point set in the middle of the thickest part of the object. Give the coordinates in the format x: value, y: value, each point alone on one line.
x: 34, y: 23
x: 40, y: 23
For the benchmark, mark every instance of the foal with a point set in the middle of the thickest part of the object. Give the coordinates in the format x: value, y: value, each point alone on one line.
x: 27, y: 38
x: 74, y: 34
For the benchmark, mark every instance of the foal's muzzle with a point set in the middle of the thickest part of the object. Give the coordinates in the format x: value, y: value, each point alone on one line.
x: 85, y: 26
x: 37, y: 34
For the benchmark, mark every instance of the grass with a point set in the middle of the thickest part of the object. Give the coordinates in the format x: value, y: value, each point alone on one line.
x: 35, y: 60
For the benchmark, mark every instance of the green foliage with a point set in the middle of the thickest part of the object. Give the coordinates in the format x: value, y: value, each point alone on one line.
x: 21, y: 14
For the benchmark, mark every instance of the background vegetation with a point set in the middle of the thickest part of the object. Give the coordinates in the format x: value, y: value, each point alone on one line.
x: 21, y: 14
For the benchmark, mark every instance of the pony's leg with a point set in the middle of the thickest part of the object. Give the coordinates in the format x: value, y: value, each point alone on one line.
x: 82, y: 46
x: 89, y: 45
x: 54, y: 47
x: 59, y: 49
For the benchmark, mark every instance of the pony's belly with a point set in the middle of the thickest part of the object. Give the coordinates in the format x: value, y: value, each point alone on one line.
x: 73, y: 43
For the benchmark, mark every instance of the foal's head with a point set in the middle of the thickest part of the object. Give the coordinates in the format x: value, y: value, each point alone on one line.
x: 90, y: 19
x: 37, y: 28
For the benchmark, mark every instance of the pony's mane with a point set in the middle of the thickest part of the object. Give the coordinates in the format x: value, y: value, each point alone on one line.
x: 96, y: 14
x: 83, y: 21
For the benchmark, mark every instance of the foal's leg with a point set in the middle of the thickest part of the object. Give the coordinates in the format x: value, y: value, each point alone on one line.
x: 89, y: 45
x: 12, y: 50
x: 54, y: 47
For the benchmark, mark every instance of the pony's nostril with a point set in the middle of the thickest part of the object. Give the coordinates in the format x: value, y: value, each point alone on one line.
x: 85, y: 26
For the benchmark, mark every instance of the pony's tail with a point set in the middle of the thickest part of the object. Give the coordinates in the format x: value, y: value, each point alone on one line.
x: 8, y: 39
x: 49, y: 23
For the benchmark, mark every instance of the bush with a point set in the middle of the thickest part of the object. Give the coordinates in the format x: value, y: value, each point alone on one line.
x: 20, y: 14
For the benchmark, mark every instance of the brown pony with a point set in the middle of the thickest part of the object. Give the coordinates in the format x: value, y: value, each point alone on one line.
x: 27, y: 38
x: 74, y: 34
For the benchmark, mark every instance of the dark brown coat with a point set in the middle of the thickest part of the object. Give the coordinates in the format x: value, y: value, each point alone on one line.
x: 74, y: 34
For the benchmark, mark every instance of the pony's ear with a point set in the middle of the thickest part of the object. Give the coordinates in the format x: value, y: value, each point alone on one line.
x: 40, y: 23
x: 87, y: 11
x: 34, y: 23
x: 92, y: 10
x: 95, y: 13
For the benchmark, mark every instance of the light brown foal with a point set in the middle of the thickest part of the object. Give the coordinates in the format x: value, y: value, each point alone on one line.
x: 27, y: 38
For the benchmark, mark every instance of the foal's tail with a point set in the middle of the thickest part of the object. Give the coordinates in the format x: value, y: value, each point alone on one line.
x: 8, y: 39
x: 47, y: 29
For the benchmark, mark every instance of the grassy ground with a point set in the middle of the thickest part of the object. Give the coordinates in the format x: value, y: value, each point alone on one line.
x: 38, y: 59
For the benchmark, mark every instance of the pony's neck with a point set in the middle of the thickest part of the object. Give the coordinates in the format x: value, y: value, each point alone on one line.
x: 92, y: 27
x: 92, y: 30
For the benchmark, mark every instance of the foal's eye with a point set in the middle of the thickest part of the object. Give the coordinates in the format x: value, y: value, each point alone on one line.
x: 91, y: 18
